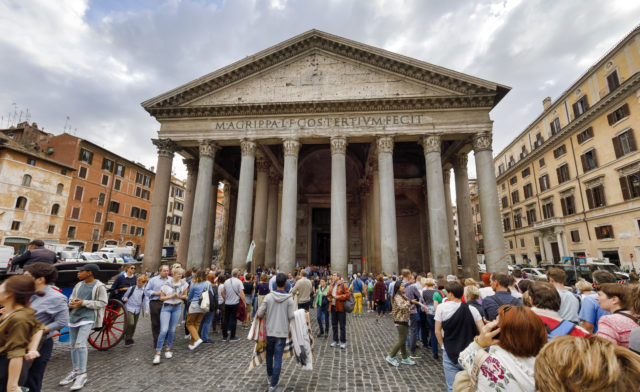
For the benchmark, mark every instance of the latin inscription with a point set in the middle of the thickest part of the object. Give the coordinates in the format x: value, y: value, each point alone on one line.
x: 322, y: 122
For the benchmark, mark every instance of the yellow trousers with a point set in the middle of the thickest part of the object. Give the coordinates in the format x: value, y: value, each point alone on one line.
x: 358, y: 308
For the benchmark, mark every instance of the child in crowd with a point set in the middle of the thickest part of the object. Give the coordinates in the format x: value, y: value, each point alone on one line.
x: 135, y: 300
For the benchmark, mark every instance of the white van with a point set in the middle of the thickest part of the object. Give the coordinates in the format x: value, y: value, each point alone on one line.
x: 6, y: 254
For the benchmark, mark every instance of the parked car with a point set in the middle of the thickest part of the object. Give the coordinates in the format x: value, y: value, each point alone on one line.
x: 67, y: 256
x: 583, y: 272
x: 535, y: 273
x: 6, y: 255
x: 88, y: 256
x: 609, y: 267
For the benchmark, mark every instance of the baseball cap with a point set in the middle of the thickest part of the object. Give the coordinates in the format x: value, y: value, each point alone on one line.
x: 93, y: 268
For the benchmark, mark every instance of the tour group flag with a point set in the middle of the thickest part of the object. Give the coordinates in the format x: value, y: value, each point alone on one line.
x: 250, y: 252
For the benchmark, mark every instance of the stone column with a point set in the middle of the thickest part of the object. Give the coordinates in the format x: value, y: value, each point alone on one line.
x: 242, y: 237
x: 446, y: 180
x: 494, y: 251
x: 272, y: 221
x: 561, y: 248
x: 187, y: 212
x: 260, y: 211
x: 159, y: 202
x: 388, y: 232
x: 440, y: 253
x: 211, y: 225
x: 466, y: 231
x: 287, y: 250
x: 339, y: 252
x: 231, y: 198
x: 200, y: 219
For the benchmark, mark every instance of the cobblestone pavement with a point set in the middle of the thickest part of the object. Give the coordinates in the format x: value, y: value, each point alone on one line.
x: 221, y: 366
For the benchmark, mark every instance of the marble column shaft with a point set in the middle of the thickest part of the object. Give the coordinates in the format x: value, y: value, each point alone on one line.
x: 272, y: 221
x: 201, y: 203
x: 446, y: 180
x: 211, y: 226
x: 287, y: 246
x: 230, y: 229
x: 260, y: 212
x: 242, y: 237
x: 159, y: 203
x: 388, y: 230
x: 440, y: 253
x: 494, y: 251
x: 339, y: 251
x: 187, y: 212
x: 466, y: 231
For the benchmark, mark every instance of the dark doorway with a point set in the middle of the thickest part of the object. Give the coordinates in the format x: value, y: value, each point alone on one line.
x: 321, y: 236
x: 555, y: 252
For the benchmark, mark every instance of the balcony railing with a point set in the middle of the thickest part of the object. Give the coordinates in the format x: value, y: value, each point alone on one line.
x: 551, y: 222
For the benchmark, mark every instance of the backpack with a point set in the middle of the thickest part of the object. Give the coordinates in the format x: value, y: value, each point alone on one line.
x: 208, y: 301
x: 370, y: 285
x: 350, y: 303
x: 564, y: 328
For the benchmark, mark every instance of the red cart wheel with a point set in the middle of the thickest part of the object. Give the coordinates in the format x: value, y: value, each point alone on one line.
x: 113, y: 326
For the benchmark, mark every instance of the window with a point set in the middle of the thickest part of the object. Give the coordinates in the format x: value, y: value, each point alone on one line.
x: 523, y: 152
x: 568, y: 205
x: 563, y: 173
x: 604, y: 232
x: 15, y: 225
x: 21, y: 203
x: 31, y: 161
x: 82, y: 172
x: 618, y: 114
x: 135, y: 212
x: 59, y: 189
x: 515, y: 197
x: 138, y: 191
x: 500, y: 169
x: 513, y: 180
x: 143, y: 214
x: 101, y: 197
x: 510, y: 244
x: 630, y: 186
x: 55, y: 209
x: 63, y: 172
x: 51, y: 229
x: 26, y: 180
x: 531, y: 216
x: 505, y: 202
x: 85, y: 156
x: 75, y: 213
x: 116, y: 184
x: 175, y: 236
x: 522, y: 245
x: 479, y: 228
x: 132, y: 230
x: 78, y: 195
x: 517, y: 220
x: 147, y: 181
x: 139, y: 179
x: 560, y: 151
x: 119, y: 170
x: 528, y: 191
x: 169, y: 219
x: 71, y: 232
x: 145, y: 194
x: 580, y: 106
x: 95, y: 234
x: 555, y: 126
x: 624, y: 143
x: 547, y: 210
x: 140, y: 231
x: 98, y: 217
x: 595, y: 197
x: 536, y: 241
x: 180, y: 193
x: 178, y: 206
x: 575, y: 235
x: 107, y: 164
x: 525, y: 173
x: 123, y: 228
x: 177, y: 220
x: 541, y: 162
x: 544, y: 183
x: 585, y: 135
x: 109, y: 227
x: 506, y: 222
x: 105, y: 180
x: 114, y: 206
x: 612, y: 81
x: 511, y: 161
x: 589, y: 160
x: 539, y: 140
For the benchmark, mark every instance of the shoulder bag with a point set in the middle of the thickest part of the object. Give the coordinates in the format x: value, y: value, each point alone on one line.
x: 465, y: 382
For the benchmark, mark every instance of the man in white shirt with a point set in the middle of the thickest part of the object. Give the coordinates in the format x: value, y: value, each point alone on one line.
x: 570, y: 304
x: 232, y: 293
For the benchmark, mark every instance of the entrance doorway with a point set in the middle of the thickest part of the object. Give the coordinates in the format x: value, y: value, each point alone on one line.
x: 555, y: 251
x: 321, y: 236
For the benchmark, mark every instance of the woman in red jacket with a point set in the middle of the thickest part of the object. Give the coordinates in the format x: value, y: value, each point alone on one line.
x: 379, y: 295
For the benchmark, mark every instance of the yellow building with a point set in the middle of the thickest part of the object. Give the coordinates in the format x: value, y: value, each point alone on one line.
x: 569, y: 184
x: 476, y: 219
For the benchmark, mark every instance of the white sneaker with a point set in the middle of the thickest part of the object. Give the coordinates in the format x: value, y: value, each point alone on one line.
x: 156, y: 359
x: 187, y: 336
x: 168, y: 354
x: 71, y: 377
x: 195, y: 344
x: 79, y: 383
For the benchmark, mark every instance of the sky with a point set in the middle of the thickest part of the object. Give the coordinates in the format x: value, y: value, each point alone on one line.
x: 86, y: 65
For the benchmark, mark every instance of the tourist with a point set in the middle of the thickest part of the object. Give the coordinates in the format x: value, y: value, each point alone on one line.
x: 545, y: 301
x: 486, y: 291
x: 199, y: 285
x: 233, y: 293
x: 87, y: 303
x: 400, y: 310
x: 412, y: 292
x: 220, y: 312
x: 500, y: 285
x: 278, y: 310
x: 456, y: 324
x: 122, y: 283
x: 440, y: 295
x: 472, y: 296
x: 135, y: 303
x: 302, y: 290
x: 590, y: 310
x: 380, y: 295
x: 357, y: 288
x: 153, y: 292
x: 36, y: 253
x: 249, y: 291
x: 338, y: 293
x: 322, y: 308
x: 591, y: 365
x: 20, y: 331
x: 254, y: 297
x: 205, y: 324
x: 569, y: 302
x: 509, y: 363
x: 263, y: 288
x: 427, y: 296
x: 584, y: 289
x: 618, y: 300
x: 172, y: 293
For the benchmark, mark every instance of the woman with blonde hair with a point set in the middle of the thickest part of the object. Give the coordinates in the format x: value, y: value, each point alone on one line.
x: 584, y: 288
x: 592, y: 364
x: 174, y: 291
x: 472, y: 297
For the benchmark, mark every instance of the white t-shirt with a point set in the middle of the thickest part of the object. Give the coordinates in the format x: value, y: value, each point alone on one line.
x: 170, y: 287
x: 486, y: 292
x: 447, y: 309
x: 232, y: 289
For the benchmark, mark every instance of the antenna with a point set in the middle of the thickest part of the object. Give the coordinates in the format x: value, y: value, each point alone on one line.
x: 67, y: 125
x: 27, y: 116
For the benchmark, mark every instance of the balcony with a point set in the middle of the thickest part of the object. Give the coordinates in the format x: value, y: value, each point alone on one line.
x: 548, y: 223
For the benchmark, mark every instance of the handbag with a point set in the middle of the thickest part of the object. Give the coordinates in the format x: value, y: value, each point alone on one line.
x: 464, y: 382
x: 349, y: 304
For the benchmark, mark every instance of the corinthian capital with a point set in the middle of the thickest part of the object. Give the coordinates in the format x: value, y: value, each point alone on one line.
x: 431, y: 143
x: 208, y: 148
x: 482, y: 141
x: 385, y: 144
x: 262, y: 164
x: 166, y: 147
x: 338, y: 145
x: 460, y: 161
x: 291, y: 147
x: 248, y: 147
x: 191, y: 164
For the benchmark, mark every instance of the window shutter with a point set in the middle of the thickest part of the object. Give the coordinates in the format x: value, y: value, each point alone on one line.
x: 590, y: 198
x: 632, y: 140
x: 580, y: 138
x: 617, y: 147
x: 611, y: 118
x: 624, y: 186
x: 625, y: 110
x: 583, y: 159
x: 541, y: 184
x: 590, y: 131
x: 602, y: 196
x: 563, y: 204
x: 559, y: 174
x: 595, y: 157
x: 575, y: 110
x: 586, y: 103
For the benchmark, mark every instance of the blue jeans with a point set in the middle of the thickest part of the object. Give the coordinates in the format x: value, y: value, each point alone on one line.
x: 205, y: 325
x: 450, y: 370
x: 254, y: 306
x: 275, y: 348
x: 169, y: 318
x: 323, y: 315
x: 78, y: 337
x: 414, y: 330
x: 432, y: 328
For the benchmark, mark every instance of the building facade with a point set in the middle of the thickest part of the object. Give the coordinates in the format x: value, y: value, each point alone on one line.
x: 569, y: 184
x: 476, y: 218
x: 174, y: 216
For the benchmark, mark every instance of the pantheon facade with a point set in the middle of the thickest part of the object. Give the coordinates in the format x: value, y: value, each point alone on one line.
x: 333, y: 153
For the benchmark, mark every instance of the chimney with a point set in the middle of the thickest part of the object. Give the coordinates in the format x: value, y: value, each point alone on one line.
x: 546, y: 103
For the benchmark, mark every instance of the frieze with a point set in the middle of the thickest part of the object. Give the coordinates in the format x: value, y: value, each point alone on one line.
x: 291, y: 147
x: 208, y: 148
x: 482, y: 141
x: 248, y: 147
x: 431, y: 143
x: 166, y: 147
x: 385, y: 144
x: 338, y: 145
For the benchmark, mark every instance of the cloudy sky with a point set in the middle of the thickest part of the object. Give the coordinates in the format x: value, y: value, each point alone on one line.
x: 96, y: 60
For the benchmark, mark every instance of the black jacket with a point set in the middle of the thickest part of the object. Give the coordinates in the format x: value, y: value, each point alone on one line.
x: 38, y: 255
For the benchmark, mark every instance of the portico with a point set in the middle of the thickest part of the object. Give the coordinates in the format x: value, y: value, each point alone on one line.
x: 320, y: 128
